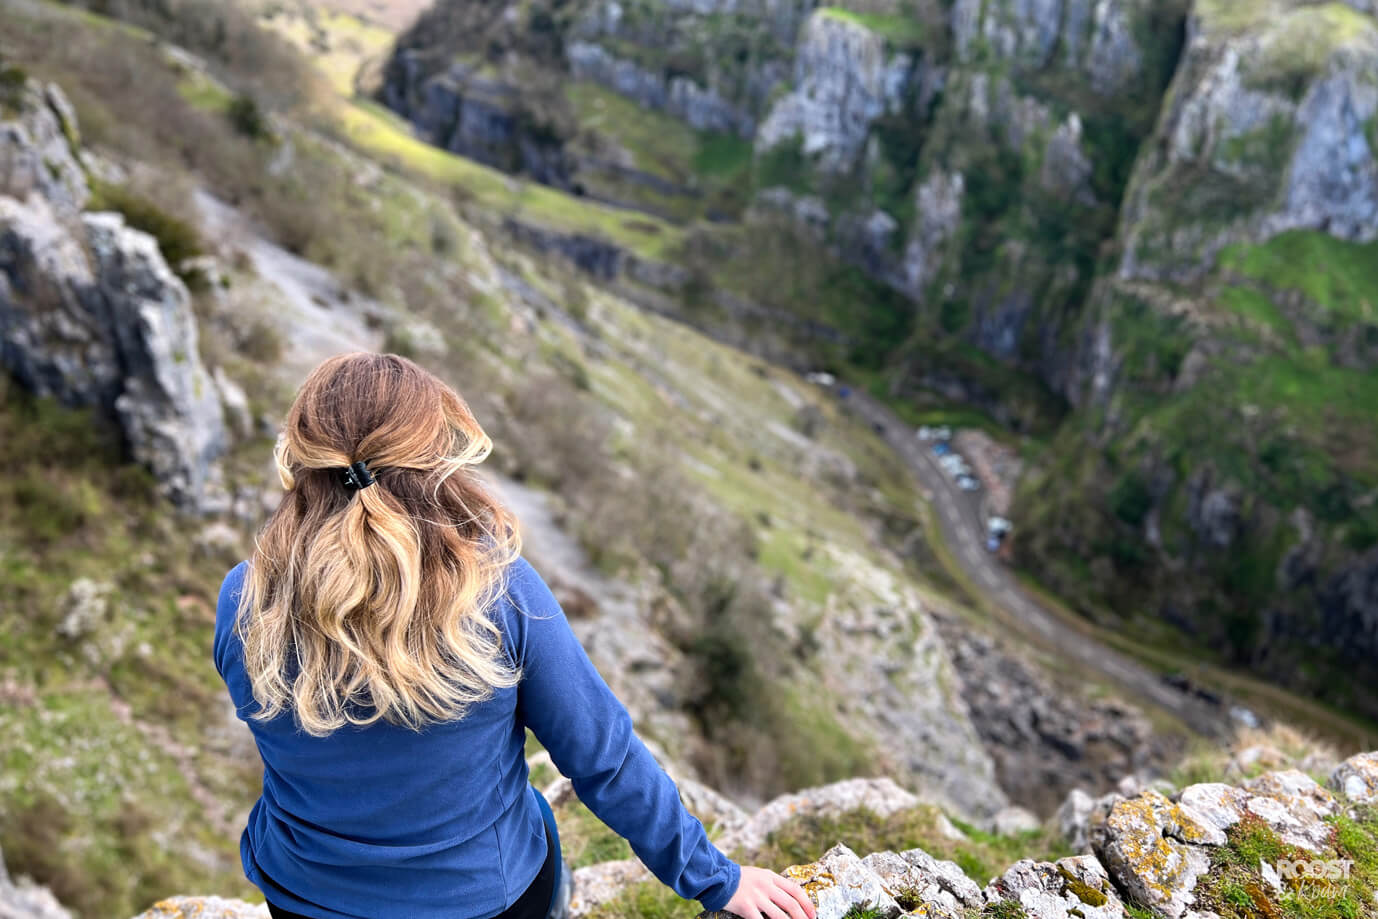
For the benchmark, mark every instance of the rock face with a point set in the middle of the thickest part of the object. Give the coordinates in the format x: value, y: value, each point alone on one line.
x: 91, y: 314
x: 1044, y: 739
x: 1261, y: 175
x: 22, y: 899
x: 1276, y: 129
x: 845, y: 78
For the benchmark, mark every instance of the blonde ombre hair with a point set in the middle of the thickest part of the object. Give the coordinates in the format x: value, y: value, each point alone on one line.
x: 369, y: 604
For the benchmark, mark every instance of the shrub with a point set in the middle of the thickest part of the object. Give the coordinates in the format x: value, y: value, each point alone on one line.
x: 246, y: 117
x: 177, y: 238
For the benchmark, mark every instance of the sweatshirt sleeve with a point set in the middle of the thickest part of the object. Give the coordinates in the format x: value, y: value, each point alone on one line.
x: 588, y: 732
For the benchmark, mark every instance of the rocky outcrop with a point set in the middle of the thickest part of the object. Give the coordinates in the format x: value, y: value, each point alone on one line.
x: 1046, y: 739
x: 845, y: 77
x: 880, y: 796
x: 676, y: 95
x: 1266, y: 144
x: 91, y: 314
x: 20, y: 898
x: 1152, y: 850
x: 470, y: 111
x: 1266, y: 130
x: 1093, y: 38
x: 1357, y: 778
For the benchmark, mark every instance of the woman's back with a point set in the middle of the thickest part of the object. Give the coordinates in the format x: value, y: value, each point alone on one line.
x: 382, y: 821
x: 389, y: 646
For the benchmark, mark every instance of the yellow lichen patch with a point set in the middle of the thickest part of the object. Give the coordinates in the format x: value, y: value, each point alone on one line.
x: 1083, y: 891
x: 1158, y: 862
x: 811, y: 878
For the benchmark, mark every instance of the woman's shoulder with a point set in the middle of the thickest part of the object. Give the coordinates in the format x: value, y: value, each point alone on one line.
x: 228, y: 600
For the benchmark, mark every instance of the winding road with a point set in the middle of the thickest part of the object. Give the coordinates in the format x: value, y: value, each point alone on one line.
x: 963, y: 531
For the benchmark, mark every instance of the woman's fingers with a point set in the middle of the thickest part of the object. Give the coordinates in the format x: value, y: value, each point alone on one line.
x: 770, y: 911
x: 786, y: 899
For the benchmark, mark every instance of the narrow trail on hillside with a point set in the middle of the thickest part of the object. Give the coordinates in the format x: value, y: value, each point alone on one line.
x: 962, y: 531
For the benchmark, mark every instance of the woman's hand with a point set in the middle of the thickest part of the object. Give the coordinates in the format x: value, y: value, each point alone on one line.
x: 763, y: 894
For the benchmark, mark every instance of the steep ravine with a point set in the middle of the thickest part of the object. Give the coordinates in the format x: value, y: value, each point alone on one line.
x: 1140, y: 232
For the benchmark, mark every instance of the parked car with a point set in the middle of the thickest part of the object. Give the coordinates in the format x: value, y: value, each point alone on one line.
x: 821, y: 378
x: 967, y: 482
x: 953, y: 464
x: 924, y: 433
x: 941, y: 448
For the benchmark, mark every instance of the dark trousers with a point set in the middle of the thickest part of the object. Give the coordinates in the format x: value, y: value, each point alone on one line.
x: 534, y: 903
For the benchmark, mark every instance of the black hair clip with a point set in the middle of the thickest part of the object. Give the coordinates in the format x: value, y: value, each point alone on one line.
x: 357, y: 476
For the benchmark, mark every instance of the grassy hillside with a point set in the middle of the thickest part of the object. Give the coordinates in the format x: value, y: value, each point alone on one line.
x: 127, y: 780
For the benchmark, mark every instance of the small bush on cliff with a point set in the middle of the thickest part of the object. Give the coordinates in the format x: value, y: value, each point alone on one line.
x: 177, y: 238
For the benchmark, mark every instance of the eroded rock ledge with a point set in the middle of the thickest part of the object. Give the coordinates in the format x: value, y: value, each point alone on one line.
x: 1169, y: 856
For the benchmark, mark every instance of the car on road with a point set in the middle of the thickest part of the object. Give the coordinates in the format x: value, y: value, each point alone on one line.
x: 997, y: 528
x: 821, y: 378
x: 968, y: 482
x: 953, y: 465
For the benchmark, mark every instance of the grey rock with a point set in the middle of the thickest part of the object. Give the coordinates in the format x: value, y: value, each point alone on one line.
x: 881, y: 796
x: 1297, y: 155
x: 1073, y: 819
x: 1071, y: 888
x: 839, y: 881
x: 37, y: 156
x: 844, y: 80
x: 91, y: 314
x: 937, y: 215
x: 1154, y: 849
x: 1291, y: 803
x: 1096, y: 37
x: 700, y: 106
x: 594, y: 885
x: 22, y: 899
x: 168, y: 406
x: 1010, y: 821
x: 1357, y: 778
x: 1066, y: 167
x: 942, y: 889
x: 85, y: 608
x: 235, y: 403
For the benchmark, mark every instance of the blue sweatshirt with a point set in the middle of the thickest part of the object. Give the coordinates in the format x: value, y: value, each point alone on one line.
x: 383, y: 821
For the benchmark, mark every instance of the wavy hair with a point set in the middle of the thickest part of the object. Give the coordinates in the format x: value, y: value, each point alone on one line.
x: 369, y: 604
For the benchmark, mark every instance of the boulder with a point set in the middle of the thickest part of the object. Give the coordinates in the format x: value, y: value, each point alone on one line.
x: 1071, y: 888
x: 91, y: 314
x: 38, y: 150
x: 1357, y: 778
x: 880, y: 795
x: 1012, y: 820
x: 1155, y: 850
x: 839, y: 881
x: 595, y: 885
x: 22, y: 899
x: 1290, y: 802
x: 917, y: 880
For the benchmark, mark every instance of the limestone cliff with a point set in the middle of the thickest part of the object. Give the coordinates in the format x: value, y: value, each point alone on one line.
x: 1224, y: 355
x: 89, y: 310
x: 1140, y: 231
